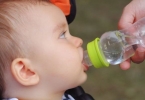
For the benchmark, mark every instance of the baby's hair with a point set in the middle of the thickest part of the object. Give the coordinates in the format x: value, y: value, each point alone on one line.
x: 11, y: 42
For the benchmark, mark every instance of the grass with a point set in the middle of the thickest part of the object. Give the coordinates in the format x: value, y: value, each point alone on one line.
x: 94, y: 17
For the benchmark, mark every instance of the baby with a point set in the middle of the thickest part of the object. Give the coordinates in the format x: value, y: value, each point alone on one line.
x: 39, y: 58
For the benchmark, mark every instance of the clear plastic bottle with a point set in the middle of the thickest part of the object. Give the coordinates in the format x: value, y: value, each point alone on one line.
x: 115, y: 47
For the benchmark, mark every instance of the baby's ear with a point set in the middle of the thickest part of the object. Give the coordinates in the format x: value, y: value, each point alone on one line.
x: 24, y: 72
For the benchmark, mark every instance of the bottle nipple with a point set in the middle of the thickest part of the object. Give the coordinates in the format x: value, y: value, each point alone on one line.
x: 86, y: 60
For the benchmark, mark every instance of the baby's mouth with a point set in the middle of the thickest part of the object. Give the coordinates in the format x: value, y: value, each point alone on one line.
x: 86, y: 67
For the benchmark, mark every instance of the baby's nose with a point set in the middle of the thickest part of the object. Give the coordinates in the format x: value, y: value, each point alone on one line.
x: 77, y: 41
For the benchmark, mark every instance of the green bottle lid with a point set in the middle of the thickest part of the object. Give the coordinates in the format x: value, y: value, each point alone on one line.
x: 95, y: 54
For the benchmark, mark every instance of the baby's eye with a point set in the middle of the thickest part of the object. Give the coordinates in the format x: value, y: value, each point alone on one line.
x: 62, y: 36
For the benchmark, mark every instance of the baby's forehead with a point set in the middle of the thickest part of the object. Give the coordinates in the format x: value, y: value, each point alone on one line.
x: 41, y: 20
x: 26, y: 9
x: 34, y: 16
x: 30, y: 11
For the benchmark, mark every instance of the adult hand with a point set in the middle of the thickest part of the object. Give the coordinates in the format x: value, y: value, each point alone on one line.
x: 134, y: 11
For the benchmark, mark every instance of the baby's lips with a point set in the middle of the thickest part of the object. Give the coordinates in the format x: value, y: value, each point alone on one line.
x: 86, y: 67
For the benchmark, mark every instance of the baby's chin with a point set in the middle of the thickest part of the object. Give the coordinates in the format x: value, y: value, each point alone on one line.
x: 84, y: 78
x: 81, y: 81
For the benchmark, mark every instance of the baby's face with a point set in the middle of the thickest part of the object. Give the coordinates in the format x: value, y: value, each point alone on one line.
x: 55, y: 53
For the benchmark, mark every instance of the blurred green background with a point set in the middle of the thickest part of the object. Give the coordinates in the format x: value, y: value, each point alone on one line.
x: 94, y: 17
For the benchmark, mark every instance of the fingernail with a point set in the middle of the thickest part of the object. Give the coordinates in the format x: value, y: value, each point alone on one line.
x: 141, y: 54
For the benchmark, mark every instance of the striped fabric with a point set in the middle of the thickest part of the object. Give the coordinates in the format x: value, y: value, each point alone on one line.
x: 67, y: 97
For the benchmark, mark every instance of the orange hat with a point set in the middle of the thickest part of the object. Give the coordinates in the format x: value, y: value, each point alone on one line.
x: 68, y: 7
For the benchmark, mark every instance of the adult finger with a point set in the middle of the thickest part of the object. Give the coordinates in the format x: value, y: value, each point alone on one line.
x: 125, y: 65
x: 139, y: 55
